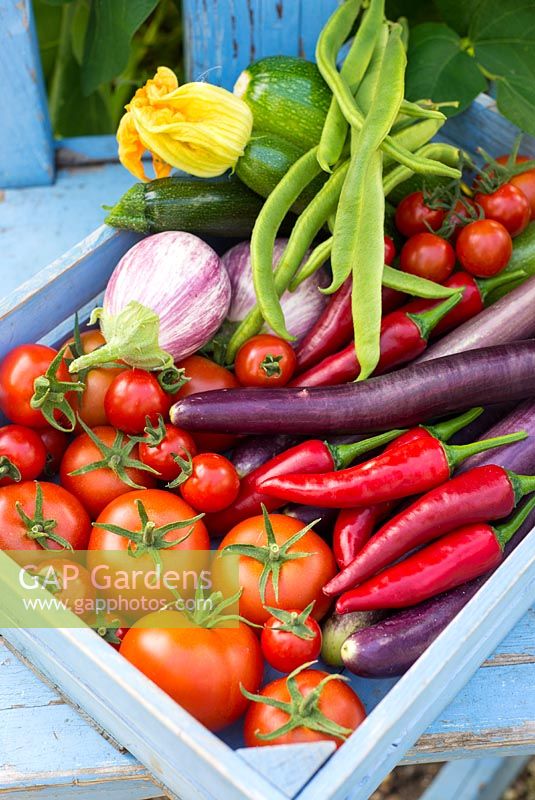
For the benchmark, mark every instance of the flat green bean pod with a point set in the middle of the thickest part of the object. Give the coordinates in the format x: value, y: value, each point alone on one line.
x: 446, y: 153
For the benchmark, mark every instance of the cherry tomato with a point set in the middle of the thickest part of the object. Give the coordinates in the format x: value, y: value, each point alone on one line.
x: 69, y: 582
x: 205, y: 376
x: 412, y: 214
x: 428, y: 256
x: 55, y: 442
x: 265, y: 360
x: 390, y: 250
x: 111, y: 627
x: 62, y: 517
x: 507, y: 205
x: 23, y: 449
x: 285, y: 649
x: 133, y: 396
x: 201, y: 668
x: 300, y: 580
x: 97, y: 488
x: 484, y: 247
x: 213, y: 485
x: 337, y: 702
x: 160, y: 456
x: 525, y: 181
x: 90, y: 405
x: 18, y: 371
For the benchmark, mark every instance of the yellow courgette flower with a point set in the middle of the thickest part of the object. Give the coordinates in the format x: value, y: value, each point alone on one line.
x: 197, y: 128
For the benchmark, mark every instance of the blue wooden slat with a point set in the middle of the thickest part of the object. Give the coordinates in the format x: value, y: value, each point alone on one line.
x: 26, y: 146
x: 478, y: 779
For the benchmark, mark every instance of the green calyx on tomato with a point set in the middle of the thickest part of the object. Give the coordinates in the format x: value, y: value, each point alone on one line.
x: 208, y: 610
x: 273, y: 556
x: 108, y: 630
x: 271, y: 366
x: 303, y: 712
x: 9, y: 470
x: 172, y: 379
x: 293, y: 621
x: 153, y: 435
x: 186, y: 466
x: 151, y: 538
x: 496, y: 173
x: 117, y: 457
x: 37, y: 527
x: 50, y: 395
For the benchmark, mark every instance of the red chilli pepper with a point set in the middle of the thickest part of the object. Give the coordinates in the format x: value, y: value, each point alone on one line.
x: 475, y: 295
x: 459, y: 557
x: 334, y: 328
x: 404, y: 336
x: 310, y: 456
x: 354, y: 526
x: 480, y: 494
x: 400, y: 472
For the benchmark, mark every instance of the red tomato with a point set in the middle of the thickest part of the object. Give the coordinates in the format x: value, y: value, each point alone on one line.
x: 23, y: 449
x: 290, y: 639
x: 428, y: 256
x: 97, y: 488
x: 525, y: 181
x: 55, y: 442
x: 412, y: 214
x: 69, y: 582
x: 90, y: 405
x: 390, y: 250
x: 484, y: 248
x: 133, y: 396
x: 300, y: 580
x: 62, y: 517
x: 507, y: 205
x: 18, y: 371
x: 160, y: 456
x: 213, y: 485
x: 111, y: 627
x: 205, y: 376
x: 201, y: 668
x: 336, y: 701
x: 265, y: 360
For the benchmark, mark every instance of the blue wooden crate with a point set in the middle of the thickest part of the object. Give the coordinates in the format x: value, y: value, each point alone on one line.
x: 187, y: 759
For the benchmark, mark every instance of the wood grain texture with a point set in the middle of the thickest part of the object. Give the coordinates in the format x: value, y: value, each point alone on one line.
x: 26, y: 146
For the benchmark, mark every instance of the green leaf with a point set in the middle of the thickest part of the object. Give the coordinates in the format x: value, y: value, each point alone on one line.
x: 415, y: 10
x: 457, y: 13
x: 503, y: 38
x: 48, y: 25
x: 79, y: 28
x: 107, y: 46
x: 439, y: 68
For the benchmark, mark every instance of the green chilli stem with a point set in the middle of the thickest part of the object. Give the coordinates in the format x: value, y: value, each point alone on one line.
x: 522, y: 485
x: 427, y: 321
x: 344, y: 454
x: 488, y: 285
x: 456, y: 454
x: 506, y: 531
x: 449, y: 427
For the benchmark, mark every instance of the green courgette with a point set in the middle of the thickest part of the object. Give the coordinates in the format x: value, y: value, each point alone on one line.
x: 266, y: 160
x: 214, y: 206
x: 288, y: 97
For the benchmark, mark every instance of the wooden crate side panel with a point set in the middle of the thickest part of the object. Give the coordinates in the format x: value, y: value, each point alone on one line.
x: 26, y: 145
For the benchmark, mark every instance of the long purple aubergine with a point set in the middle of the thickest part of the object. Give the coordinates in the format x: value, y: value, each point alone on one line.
x: 510, y: 319
x: 413, y: 395
x: 390, y: 647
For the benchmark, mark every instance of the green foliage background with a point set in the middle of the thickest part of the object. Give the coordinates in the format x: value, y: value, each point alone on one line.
x: 97, y: 52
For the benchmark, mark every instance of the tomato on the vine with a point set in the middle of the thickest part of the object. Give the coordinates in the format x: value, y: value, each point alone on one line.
x: 18, y: 372
x: 290, y: 638
x: 22, y: 454
x: 206, y: 376
x: 484, y: 247
x: 202, y: 668
x: 211, y: 483
x: 414, y: 216
x: 133, y: 396
x: 507, y: 205
x: 162, y: 443
x: 299, y: 581
x: 111, y: 627
x: 265, y: 360
x: 110, y: 464
x: 332, y: 707
x: 390, y: 250
x: 428, y: 256
x: 55, y: 442
x: 525, y: 181
x: 90, y: 404
x: 39, y: 515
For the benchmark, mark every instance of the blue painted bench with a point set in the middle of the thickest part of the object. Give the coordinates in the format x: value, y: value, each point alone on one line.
x: 47, y: 749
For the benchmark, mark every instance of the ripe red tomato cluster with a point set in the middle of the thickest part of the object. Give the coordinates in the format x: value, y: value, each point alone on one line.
x: 129, y: 481
x: 476, y: 232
